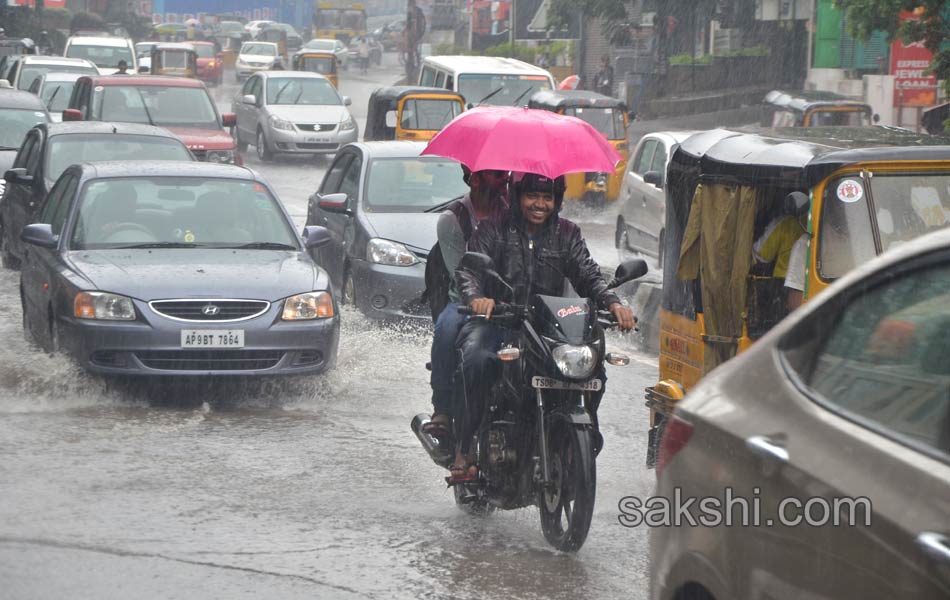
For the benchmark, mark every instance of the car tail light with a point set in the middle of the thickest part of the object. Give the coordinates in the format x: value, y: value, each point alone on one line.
x: 676, y: 435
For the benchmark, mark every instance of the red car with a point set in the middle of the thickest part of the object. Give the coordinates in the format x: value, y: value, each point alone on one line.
x: 210, y: 63
x: 181, y: 105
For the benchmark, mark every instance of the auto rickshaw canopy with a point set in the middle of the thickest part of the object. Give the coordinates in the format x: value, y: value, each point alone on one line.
x: 16, y: 46
x: 436, y: 107
x: 813, y: 109
x: 575, y: 102
x: 177, y: 59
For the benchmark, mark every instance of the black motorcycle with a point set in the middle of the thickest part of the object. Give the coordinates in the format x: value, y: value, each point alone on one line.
x: 538, y: 439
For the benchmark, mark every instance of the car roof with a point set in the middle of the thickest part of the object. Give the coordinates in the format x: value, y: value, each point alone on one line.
x: 163, y: 80
x: 115, y: 42
x: 53, y: 60
x: 676, y: 136
x: 290, y: 74
x: 10, y: 98
x: 485, y: 64
x: 77, y: 127
x: 392, y: 149
x: 574, y: 99
x: 249, y: 42
x: 165, y: 168
x: 53, y: 76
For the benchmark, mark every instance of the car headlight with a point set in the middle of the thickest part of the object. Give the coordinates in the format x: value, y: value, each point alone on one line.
x: 102, y: 305
x: 348, y: 124
x: 312, y: 305
x: 221, y: 156
x: 574, y: 361
x: 385, y: 252
x: 277, y: 123
x: 240, y: 62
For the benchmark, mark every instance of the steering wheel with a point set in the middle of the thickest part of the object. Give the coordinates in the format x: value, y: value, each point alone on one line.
x: 120, y: 227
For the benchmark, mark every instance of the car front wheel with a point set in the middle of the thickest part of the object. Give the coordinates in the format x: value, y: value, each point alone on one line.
x: 263, y: 152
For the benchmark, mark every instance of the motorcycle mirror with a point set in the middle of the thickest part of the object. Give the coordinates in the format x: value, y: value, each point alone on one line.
x: 628, y: 271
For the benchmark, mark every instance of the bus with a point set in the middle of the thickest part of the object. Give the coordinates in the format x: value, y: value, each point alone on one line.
x: 339, y: 20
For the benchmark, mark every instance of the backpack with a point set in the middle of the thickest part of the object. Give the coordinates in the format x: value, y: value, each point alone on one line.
x: 438, y: 278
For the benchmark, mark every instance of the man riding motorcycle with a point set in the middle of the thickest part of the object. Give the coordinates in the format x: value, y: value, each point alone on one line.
x: 535, y: 251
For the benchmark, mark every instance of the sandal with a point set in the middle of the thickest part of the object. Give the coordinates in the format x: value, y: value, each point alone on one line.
x: 462, y: 474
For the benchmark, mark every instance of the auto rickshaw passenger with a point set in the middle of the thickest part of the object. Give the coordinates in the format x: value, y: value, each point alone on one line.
x: 775, y: 245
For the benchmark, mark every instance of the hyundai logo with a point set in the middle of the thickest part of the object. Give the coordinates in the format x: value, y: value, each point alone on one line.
x: 210, y: 310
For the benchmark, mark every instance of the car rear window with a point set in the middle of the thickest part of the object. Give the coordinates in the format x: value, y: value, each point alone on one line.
x: 14, y: 123
x: 157, y: 105
x: 66, y: 150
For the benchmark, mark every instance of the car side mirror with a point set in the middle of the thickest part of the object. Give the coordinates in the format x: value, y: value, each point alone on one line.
x: 229, y: 119
x: 333, y: 203
x: 72, y: 114
x: 347, y: 101
x: 654, y: 178
x: 249, y: 99
x: 39, y: 234
x: 391, y: 118
x: 628, y: 271
x: 17, y: 175
x: 315, y: 236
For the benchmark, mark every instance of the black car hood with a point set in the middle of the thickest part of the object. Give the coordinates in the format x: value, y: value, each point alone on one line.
x: 200, y: 273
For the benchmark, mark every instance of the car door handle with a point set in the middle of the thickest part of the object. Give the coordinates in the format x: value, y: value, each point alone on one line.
x: 766, y: 447
x: 935, y: 545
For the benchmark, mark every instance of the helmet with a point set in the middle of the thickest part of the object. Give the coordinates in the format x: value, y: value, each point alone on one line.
x: 533, y: 182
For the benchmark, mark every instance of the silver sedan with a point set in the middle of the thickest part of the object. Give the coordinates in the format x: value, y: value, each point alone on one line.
x: 292, y: 112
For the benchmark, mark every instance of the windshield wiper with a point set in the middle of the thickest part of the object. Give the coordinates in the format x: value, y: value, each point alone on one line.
x: 281, y: 91
x: 441, y: 207
x: 515, y: 103
x: 148, y: 115
x: 264, y: 246
x: 49, y: 103
x: 160, y: 245
x: 489, y: 95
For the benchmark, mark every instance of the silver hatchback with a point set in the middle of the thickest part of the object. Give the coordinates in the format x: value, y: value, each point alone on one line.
x: 292, y: 112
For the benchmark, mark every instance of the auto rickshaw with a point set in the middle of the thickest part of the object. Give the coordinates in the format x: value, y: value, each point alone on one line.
x: 608, y: 116
x: 324, y: 63
x: 852, y: 193
x: 814, y: 109
x: 410, y: 112
x: 178, y: 59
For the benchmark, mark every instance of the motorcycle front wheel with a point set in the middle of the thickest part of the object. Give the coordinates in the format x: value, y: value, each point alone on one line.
x: 567, y: 505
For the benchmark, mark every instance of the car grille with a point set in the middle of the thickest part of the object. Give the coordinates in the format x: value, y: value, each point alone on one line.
x: 316, y: 126
x: 210, y: 360
x: 317, y: 146
x: 200, y: 311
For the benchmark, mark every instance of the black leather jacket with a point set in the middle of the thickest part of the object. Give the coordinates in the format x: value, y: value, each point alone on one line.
x: 537, y: 266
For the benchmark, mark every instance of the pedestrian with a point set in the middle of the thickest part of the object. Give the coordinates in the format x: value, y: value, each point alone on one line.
x: 605, y: 78
x: 123, y: 68
x: 363, y: 50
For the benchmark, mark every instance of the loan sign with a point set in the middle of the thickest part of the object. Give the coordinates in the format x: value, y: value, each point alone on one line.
x: 908, y: 64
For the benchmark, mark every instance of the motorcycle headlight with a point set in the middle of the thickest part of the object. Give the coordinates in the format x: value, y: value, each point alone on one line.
x: 221, y: 156
x: 385, y: 252
x: 574, y: 361
x: 104, y: 306
x: 278, y: 123
x: 348, y: 124
x: 312, y: 305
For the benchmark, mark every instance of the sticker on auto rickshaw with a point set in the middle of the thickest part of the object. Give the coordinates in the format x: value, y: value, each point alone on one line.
x: 850, y: 190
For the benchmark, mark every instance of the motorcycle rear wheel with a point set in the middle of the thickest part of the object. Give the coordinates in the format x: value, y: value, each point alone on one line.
x: 567, y: 506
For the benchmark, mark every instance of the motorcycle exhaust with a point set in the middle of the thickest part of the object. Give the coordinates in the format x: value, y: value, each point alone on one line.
x: 440, y: 455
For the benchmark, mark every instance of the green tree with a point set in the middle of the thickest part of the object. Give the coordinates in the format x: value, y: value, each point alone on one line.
x: 617, y: 17
x: 932, y: 28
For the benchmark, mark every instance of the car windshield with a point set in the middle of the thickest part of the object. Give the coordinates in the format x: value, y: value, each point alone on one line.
x: 65, y: 150
x: 429, y: 114
x: 102, y: 56
x: 157, y: 105
x: 327, y: 45
x: 259, y: 49
x: 15, y: 122
x: 608, y: 121
x: 204, y: 51
x: 185, y: 211
x: 33, y: 72
x: 906, y: 205
x: 301, y: 90
x: 500, y: 89
x: 839, y: 118
x: 55, y: 94
x: 416, y: 184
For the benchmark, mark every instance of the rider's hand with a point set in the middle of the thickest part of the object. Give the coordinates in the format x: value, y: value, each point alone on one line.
x: 483, y: 306
x: 624, y: 316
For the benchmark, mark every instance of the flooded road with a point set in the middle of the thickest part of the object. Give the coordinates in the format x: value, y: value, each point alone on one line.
x: 312, y: 487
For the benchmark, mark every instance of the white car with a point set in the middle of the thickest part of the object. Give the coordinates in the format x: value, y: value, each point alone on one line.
x: 256, y: 56
x: 30, y: 67
x: 55, y: 89
x: 642, y: 217
x: 254, y: 27
x: 143, y: 54
x: 104, y: 52
x: 337, y: 47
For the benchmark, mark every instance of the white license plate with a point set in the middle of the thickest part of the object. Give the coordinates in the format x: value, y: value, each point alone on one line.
x: 547, y: 383
x: 317, y: 140
x: 212, y: 338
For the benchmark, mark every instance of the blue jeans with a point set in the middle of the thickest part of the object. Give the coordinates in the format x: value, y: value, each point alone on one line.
x: 445, y: 359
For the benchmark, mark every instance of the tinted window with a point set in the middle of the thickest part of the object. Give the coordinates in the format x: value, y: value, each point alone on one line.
x: 412, y: 184
x: 659, y: 159
x: 644, y: 157
x: 14, y: 123
x: 351, y: 180
x: 65, y: 150
x: 157, y: 105
x: 56, y: 95
x: 32, y: 72
x: 886, y: 360
x: 331, y: 183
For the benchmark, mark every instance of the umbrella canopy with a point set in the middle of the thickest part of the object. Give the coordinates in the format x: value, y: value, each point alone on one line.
x: 510, y: 138
x: 569, y: 83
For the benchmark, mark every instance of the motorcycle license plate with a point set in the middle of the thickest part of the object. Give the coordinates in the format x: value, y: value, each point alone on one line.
x: 547, y: 383
x: 212, y: 338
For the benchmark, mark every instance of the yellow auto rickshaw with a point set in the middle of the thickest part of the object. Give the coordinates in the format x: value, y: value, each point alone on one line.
x: 410, y: 112
x: 608, y: 116
x: 276, y: 36
x: 814, y: 109
x: 324, y: 63
x: 177, y: 59
x: 833, y: 198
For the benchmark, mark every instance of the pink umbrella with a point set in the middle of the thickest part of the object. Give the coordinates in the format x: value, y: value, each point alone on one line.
x: 570, y: 83
x: 510, y: 138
